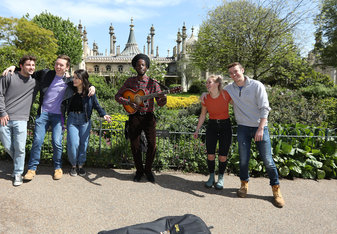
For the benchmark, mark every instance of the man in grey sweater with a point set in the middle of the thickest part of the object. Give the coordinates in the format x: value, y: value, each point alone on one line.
x: 16, y: 98
x: 251, y: 109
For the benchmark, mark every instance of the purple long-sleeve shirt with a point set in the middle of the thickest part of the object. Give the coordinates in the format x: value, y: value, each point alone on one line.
x: 54, y: 95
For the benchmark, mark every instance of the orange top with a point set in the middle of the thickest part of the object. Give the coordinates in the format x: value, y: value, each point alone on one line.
x: 217, y: 107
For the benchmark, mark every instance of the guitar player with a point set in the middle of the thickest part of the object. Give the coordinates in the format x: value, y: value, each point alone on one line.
x: 143, y: 119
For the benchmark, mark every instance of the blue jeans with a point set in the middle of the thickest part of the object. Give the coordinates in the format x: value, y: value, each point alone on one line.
x: 13, y: 137
x: 42, y: 124
x: 77, y: 138
x: 245, y: 136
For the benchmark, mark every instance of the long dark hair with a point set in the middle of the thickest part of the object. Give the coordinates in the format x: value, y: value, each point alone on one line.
x: 84, y: 77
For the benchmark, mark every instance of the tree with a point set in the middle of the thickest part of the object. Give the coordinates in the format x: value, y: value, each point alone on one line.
x: 294, y: 72
x: 68, y: 37
x: 326, y: 33
x: 157, y: 71
x: 254, y: 33
x: 21, y: 37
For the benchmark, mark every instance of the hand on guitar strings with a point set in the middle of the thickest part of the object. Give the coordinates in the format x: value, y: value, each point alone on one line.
x: 134, y: 105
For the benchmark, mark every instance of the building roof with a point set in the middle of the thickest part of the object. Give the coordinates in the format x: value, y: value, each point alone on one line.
x: 131, y: 48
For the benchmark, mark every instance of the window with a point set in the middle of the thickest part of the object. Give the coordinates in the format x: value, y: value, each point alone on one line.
x: 96, y: 67
x: 120, y: 68
x: 108, y: 68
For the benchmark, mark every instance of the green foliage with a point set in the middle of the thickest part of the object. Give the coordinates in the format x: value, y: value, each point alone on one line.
x: 319, y: 91
x: 104, y: 89
x: 326, y: 22
x: 312, y: 158
x: 255, y: 33
x: 197, y: 87
x: 293, y: 72
x: 68, y: 37
x: 23, y: 37
x: 330, y: 110
x: 194, y: 109
x: 289, y: 106
x: 157, y: 71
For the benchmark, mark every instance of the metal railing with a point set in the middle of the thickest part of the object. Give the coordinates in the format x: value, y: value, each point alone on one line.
x: 109, y: 147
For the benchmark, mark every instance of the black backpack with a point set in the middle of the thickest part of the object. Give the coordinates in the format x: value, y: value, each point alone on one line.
x: 186, y: 224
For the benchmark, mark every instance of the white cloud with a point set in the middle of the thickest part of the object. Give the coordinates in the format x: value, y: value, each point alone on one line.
x: 89, y: 12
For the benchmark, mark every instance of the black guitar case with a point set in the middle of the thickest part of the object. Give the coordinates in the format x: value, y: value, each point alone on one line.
x: 186, y: 224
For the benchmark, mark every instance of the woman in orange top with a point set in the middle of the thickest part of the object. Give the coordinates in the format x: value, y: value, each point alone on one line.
x: 218, y: 128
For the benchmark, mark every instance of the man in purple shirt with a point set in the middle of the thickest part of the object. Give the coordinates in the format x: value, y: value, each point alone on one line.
x: 53, y: 87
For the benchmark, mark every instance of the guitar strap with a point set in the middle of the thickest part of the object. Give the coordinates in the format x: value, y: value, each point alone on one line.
x: 161, y: 85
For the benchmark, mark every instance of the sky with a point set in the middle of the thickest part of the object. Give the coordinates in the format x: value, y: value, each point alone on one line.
x: 166, y: 16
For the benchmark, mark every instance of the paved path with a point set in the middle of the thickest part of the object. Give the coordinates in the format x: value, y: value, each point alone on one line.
x: 107, y: 199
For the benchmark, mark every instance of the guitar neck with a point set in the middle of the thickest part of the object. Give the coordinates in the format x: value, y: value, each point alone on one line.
x: 153, y: 95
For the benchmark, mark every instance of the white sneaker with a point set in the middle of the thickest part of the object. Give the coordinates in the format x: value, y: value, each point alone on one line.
x: 17, y: 180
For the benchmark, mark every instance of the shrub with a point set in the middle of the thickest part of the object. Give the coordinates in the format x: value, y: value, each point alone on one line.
x: 319, y: 91
x: 289, y: 106
x: 197, y: 87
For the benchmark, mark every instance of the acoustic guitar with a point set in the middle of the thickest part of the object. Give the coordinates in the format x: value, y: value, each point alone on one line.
x: 139, y: 97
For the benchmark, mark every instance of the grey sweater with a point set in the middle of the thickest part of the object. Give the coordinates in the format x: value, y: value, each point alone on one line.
x: 16, y: 96
x: 251, y: 103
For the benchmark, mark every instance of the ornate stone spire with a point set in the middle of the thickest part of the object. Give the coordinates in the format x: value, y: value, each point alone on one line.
x: 131, y: 48
x: 152, y: 35
x: 148, y: 44
x: 112, y: 40
x: 178, y: 42
x: 85, y: 43
x: 184, y: 36
x: 80, y: 28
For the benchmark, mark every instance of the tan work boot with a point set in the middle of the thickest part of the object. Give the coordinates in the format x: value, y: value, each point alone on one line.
x: 30, y: 175
x: 242, y: 192
x: 279, y: 202
x: 58, y: 174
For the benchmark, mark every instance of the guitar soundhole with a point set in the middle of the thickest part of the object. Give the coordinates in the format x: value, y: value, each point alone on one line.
x: 137, y: 100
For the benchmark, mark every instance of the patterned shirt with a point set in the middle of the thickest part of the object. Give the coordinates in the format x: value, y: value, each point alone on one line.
x: 148, y: 85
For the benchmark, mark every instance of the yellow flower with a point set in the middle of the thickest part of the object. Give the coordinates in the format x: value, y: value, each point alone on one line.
x: 174, y: 102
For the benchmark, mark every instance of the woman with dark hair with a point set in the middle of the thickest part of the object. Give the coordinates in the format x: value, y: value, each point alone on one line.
x: 79, y: 109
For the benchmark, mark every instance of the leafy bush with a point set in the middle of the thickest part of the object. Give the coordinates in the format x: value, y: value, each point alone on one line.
x: 289, y: 106
x: 319, y: 91
x: 197, y: 87
x: 104, y: 89
x: 311, y: 158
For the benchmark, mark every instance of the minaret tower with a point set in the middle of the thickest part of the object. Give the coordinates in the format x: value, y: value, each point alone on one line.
x: 148, y: 45
x: 178, y: 43
x: 152, y: 35
x: 80, y: 28
x: 184, y: 36
x: 85, y: 43
x: 112, y: 40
